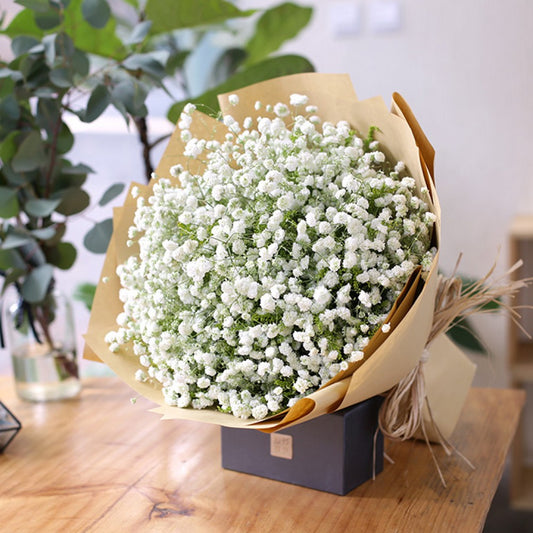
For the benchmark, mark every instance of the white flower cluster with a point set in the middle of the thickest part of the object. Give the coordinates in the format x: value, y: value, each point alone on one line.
x: 260, y: 279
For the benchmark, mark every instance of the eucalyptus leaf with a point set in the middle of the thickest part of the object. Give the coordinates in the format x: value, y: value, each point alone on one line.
x: 30, y: 154
x: 139, y: 33
x: 145, y: 63
x: 41, y: 207
x: 47, y: 20
x: 35, y: 70
x: 49, y: 45
x: 38, y: 48
x: 132, y: 95
x: 22, y: 44
x: 274, y: 27
x: 85, y: 293
x: 37, y: 283
x: 9, y: 205
x: 80, y: 63
x: 73, y: 200
x: 45, y: 92
x: 10, y: 259
x: 265, y: 70
x: 8, y: 147
x: 8, y: 76
x: 44, y: 234
x: 64, y: 46
x: 97, y: 238
x: 16, y: 240
x: 97, y: 104
x: 96, y: 12
x: 62, y: 256
x: 169, y: 15
x: 61, y: 77
x: 47, y: 115
x: 65, y: 139
x: 111, y: 193
x: 9, y: 110
x: 80, y: 168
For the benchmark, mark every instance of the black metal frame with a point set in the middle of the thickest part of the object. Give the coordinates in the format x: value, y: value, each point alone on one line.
x: 14, y: 427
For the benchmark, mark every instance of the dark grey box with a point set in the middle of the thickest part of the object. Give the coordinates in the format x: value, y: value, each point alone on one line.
x: 331, y: 453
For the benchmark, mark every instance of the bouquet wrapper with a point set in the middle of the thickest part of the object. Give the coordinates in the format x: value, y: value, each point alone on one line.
x: 388, y: 357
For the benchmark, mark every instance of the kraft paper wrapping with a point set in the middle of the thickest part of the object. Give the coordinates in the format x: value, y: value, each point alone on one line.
x: 388, y: 357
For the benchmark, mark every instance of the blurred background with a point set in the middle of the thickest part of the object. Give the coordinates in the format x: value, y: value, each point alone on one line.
x: 466, y: 71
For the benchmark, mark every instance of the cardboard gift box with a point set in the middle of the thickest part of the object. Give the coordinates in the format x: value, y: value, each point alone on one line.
x: 333, y: 453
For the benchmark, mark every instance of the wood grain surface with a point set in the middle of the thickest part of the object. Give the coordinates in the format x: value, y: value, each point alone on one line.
x: 102, y: 464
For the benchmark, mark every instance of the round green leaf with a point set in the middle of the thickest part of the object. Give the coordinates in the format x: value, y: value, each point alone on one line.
x: 97, y: 239
x: 9, y: 111
x: 44, y: 234
x: 61, y: 77
x: 145, y: 63
x: 96, y: 12
x: 80, y: 63
x: 37, y: 282
x: 139, y: 32
x: 45, y: 92
x: 9, y: 205
x: 8, y: 147
x: 10, y: 259
x: 48, y: 20
x: 30, y: 155
x: 64, y: 46
x: 111, y: 193
x: 22, y: 44
x: 65, y: 139
x: 73, y: 200
x: 97, y: 104
x: 41, y: 207
x: 62, y: 255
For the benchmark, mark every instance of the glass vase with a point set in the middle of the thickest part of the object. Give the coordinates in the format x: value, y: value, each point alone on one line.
x: 42, y: 341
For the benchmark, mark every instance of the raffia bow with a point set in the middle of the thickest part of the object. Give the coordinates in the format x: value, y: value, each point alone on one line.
x: 401, y: 413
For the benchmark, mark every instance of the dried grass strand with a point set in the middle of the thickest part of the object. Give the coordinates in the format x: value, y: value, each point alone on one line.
x: 401, y: 414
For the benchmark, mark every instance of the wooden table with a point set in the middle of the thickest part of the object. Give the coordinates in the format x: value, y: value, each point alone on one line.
x: 100, y: 463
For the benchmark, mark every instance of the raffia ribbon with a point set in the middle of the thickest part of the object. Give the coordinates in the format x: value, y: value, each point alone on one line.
x: 401, y: 413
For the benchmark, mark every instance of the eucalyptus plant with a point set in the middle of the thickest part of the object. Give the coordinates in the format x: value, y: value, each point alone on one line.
x: 79, y: 57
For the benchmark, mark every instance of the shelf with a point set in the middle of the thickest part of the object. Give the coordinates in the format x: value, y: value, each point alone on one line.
x: 521, y: 366
x: 522, y: 499
x: 522, y: 227
x: 520, y: 356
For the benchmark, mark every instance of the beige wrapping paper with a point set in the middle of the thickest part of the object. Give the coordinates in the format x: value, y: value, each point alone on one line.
x: 388, y: 357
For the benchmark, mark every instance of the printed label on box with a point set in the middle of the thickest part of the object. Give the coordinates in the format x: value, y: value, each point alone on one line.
x: 281, y: 445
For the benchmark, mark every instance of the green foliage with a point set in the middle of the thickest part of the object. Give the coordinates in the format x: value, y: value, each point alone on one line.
x: 65, y: 49
x: 274, y: 27
x: 169, y: 15
x: 97, y: 239
x: 85, y: 293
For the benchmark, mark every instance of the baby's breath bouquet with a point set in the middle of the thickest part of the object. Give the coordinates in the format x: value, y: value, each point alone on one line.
x: 281, y: 263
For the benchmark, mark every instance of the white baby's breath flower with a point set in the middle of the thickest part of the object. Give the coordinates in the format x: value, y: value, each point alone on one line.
x: 298, y: 99
x: 265, y: 275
